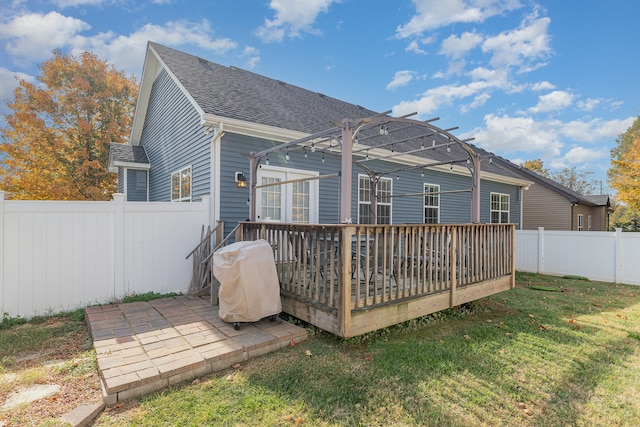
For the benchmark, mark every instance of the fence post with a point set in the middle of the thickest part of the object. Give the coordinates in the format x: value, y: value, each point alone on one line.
x: 540, y: 250
x: 618, y: 257
x: 118, y: 246
x: 1, y: 254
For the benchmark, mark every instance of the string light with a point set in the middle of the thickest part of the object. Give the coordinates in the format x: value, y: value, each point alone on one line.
x: 367, y: 156
x: 322, y: 157
x: 313, y: 148
x: 397, y: 177
x: 305, y: 154
x: 267, y: 161
x: 286, y: 156
x: 450, y: 167
x: 448, y: 148
x: 433, y: 144
x: 422, y: 172
x: 468, y: 160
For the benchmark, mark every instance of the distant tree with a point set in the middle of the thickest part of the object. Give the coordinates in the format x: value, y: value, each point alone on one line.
x: 624, y: 174
x: 578, y: 181
x: 56, y: 142
x: 626, y: 218
x: 536, y: 166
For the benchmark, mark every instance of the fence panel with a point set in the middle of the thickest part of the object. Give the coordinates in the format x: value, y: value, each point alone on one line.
x: 605, y: 256
x: 62, y: 255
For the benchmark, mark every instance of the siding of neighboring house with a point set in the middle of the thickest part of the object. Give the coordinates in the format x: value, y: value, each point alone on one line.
x: 136, y: 185
x: 174, y: 138
x: 580, y: 210
x: 543, y: 207
x: 599, y: 218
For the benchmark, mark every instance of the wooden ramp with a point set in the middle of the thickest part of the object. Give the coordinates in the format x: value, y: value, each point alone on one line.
x: 142, y: 347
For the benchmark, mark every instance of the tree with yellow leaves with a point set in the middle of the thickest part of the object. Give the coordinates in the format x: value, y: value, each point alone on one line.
x: 624, y: 174
x: 56, y: 142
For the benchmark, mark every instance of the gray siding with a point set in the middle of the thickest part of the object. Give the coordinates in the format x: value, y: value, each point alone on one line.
x: 136, y: 185
x: 488, y: 187
x: 174, y: 138
x: 546, y: 208
x: 454, y: 208
x: 121, y: 180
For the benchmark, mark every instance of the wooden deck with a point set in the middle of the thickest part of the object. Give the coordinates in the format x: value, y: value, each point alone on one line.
x: 350, y: 279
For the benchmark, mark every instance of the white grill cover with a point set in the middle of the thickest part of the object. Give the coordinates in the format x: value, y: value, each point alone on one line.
x: 249, y: 288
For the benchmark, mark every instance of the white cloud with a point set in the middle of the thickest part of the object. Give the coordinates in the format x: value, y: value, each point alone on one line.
x: 517, y: 134
x: 252, y: 55
x: 414, y: 47
x: 478, y: 102
x: 589, y: 104
x: 33, y: 36
x: 401, y: 78
x: 74, y: 3
x: 293, y: 17
x: 524, y: 47
x: 553, y: 101
x: 432, y: 14
x: 542, y: 86
x: 595, y: 130
x: 126, y: 51
x: 456, y: 47
x: 581, y: 155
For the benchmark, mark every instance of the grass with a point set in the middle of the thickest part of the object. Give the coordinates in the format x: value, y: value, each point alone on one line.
x: 522, y: 357
x: 525, y: 357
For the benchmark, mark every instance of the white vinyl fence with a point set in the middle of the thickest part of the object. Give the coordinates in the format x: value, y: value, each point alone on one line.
x: 597, y: 255
x: 62, y: 255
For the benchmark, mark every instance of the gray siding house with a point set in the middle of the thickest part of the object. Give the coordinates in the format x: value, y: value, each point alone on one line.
x: 555, y: 207
x: 196, y: 123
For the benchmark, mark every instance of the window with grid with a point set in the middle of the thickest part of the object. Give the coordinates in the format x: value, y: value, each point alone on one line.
x: 383, y: 202
x: 300, y: 204
x: 499, y: 208
x: 580, y: 222
x: 271, y: 209
x: 181, y: 185
x: 431, y: 204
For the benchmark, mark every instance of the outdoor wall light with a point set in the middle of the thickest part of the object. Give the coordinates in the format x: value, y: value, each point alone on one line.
x: 241, y: 180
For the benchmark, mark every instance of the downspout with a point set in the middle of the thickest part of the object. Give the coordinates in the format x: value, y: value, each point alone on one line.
x: 214, y: 178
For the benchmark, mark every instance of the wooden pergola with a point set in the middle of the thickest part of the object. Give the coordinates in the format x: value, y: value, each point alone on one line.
x: 346, y: 135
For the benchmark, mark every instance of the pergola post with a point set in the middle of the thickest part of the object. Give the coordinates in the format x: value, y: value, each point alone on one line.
x: 475, y: 189
x: 253, y: 179
x: 346, y: 172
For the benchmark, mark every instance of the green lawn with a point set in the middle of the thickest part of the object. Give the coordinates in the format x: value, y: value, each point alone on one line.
x: 551, y: 352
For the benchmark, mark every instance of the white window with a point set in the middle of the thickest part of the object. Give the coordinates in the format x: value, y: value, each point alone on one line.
x: 383, y: 200
x: 499, y: 208
x: 589, y: 223
x: 580, y: 222
x: 295, y: 202
x: 181, y: 185
x: 431, y: 204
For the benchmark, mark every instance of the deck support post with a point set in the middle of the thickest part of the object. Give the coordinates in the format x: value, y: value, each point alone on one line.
x: 344, y: 305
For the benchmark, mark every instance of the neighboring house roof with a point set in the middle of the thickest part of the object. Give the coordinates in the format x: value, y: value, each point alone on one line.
x: 246, y: 102
x: 571, y: 195
x: 126, y: 155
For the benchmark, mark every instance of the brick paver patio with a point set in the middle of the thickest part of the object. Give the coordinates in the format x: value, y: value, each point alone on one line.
x: 142, y: 347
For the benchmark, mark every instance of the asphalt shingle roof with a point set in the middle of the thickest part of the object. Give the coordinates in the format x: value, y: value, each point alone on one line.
x: 127, y: 153
x: 238, y: 94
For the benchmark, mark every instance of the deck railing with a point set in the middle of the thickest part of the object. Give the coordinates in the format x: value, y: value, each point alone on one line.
x: 368, y: 266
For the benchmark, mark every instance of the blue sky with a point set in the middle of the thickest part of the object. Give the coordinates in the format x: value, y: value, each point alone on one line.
x: 549, y: 79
